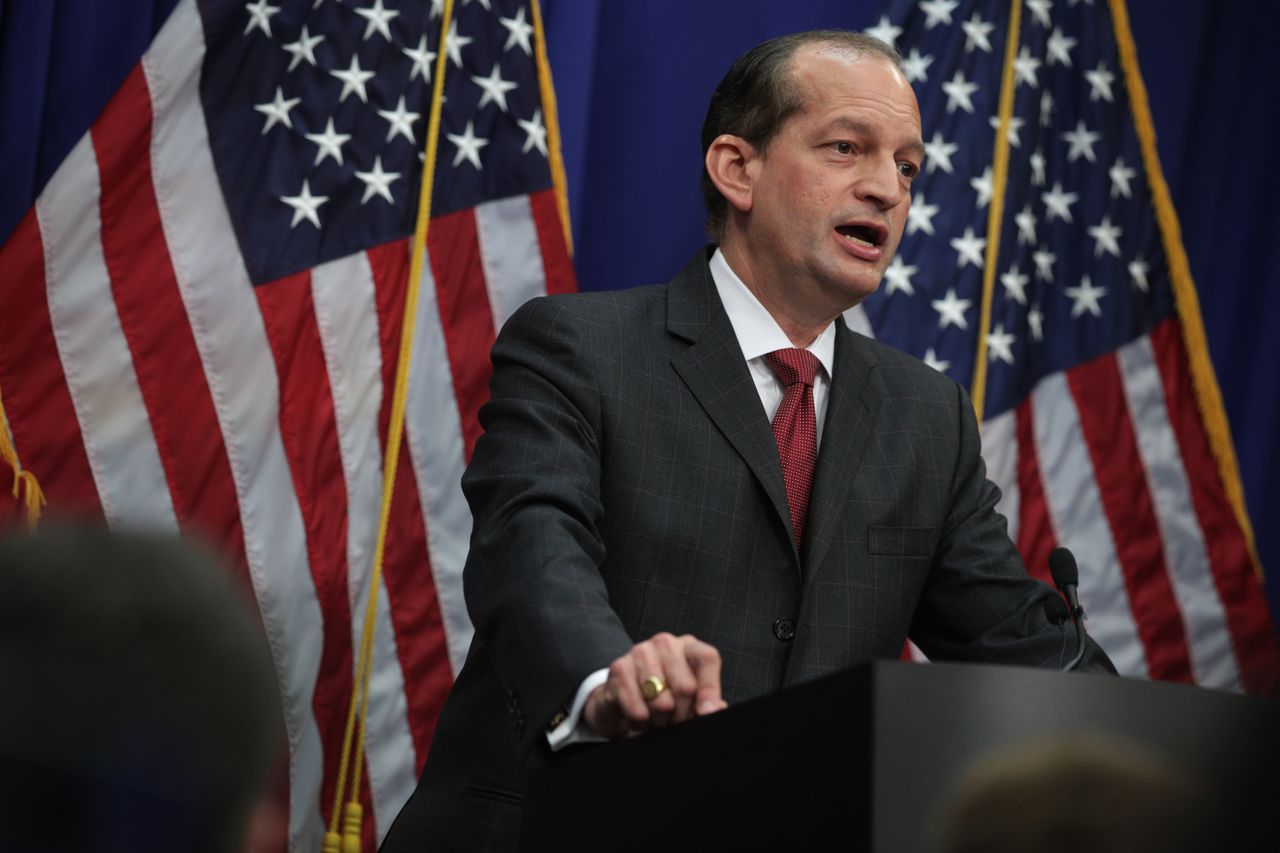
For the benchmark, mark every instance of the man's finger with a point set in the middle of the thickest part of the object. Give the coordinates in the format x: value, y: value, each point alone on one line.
x: 625, y: 684
x: 682, y: 684
x: 704, y: 660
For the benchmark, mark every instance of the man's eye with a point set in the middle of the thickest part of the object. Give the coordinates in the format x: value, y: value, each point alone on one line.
x: 908, y: 170
x: 842, y: 147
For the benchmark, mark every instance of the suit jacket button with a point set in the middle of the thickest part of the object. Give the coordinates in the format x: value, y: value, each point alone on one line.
x: 784, y: 629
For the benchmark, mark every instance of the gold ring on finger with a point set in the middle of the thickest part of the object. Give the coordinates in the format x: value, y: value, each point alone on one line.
x: 652, y: 687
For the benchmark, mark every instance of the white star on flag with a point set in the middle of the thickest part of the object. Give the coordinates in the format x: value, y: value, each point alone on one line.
x: 1015, y: 284
x: 885, y: 31
x: 1107, y: 237
x: 329, y: 143
x: 469, y: 146
x: 277, y: 111
x: 1037, y: 168
x: 1035, y: 320
x: 916, y: 67
x: 920, y: 215
x: 536, y: 134
x: 937, y: 11
x: 519, y: 32
x: 1085, y: 298
x: 422, y: 59
x: 976, y: 32
x: 1040, y: 8
x: 1044, y: 261
x: 401, y: 121
x: 1059, y: 47
x: 1100, y: 80
x: 1011, y: 133
x: 1025, y: 67
x: 1058, y: 203
x: 938, y: 153
x: 898, y: 276
x: 495, y: 88
x: 377, y: 182
x: 1138, y: 272
x: 305, y: 205
x: 260, y: 16
x: 969, y: 248
x: 379, y: 20
x: 303, y: 48
x: 1120, y: 176
x: 951, y: 310
x: 353, y: 80
x: 454, y: 43
x: 1081, y: 143
x: 983, y: 186
x: 1026, y: 222
x: 1000, y: 345
x: 958, y: 92
x: 931, y: 359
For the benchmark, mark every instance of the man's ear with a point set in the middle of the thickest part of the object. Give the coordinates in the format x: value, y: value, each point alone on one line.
x: 727, y: 162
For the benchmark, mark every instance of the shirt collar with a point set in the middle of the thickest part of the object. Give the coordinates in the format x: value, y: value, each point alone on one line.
x: 757, y: 332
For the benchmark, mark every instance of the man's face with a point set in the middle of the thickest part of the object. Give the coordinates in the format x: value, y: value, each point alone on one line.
x: 829, y: 199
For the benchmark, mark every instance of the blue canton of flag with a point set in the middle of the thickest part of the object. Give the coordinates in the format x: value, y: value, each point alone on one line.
x: 317, y: 113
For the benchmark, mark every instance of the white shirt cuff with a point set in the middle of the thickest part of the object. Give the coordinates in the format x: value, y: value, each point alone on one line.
x: 571, y: 729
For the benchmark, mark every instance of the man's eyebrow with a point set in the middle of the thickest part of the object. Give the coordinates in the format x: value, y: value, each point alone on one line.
x: 915, y: 146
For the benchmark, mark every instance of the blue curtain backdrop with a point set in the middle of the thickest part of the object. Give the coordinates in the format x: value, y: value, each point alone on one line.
x: 633, y: 80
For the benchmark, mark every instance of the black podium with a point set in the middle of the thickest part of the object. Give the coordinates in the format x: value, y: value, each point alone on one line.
x: 871, y: 755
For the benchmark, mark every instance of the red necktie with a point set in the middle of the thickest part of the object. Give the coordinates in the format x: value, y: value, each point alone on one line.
x: 795, y: 428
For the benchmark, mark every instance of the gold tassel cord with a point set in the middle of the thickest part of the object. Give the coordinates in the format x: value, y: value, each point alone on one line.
x: 26, y: 487
x: 1203, y: 380
x: 995, y: 214
x: 351, y: 816
x: 548, y: 94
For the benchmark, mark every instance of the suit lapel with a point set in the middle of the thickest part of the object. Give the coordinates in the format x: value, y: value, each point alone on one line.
x: 852, y: 405
x: 713, y: 369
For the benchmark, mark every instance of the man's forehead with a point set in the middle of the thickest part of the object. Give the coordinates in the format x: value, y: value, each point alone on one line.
x: 827, y: 71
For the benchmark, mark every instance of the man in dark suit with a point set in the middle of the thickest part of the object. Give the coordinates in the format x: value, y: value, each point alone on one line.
x: 694, y: 494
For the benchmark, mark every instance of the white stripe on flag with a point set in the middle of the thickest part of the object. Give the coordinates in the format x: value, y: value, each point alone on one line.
x: 1080, y: 523
x: 509, y: 255
x: 346, y: 314
x: 95, y: 356
x: 238, y: 365
x: 1208, y: 638
x: 434, y: 433
x: 1000, y: 450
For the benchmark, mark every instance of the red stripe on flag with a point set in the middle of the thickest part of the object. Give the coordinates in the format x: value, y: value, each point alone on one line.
x: 1239, y: 586
x: 556, y: 264
x: 37, y: 401
x: 1108, y: 433
x: 165, y: 358
x: 1036, y: 537
x: 465, y: 313
x: 415, y: 609
x: 309, y: 429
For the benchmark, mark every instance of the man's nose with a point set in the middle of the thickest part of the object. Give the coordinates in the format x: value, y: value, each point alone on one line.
x: 879, y: 183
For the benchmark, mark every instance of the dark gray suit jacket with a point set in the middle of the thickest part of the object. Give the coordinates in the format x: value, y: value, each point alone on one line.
x: 628, y: 483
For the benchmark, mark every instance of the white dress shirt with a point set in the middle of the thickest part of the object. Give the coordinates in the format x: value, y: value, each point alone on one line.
x: 758, y: 334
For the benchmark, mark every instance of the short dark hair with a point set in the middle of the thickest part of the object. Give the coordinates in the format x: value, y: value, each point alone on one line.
x: 141, y: 707
x: 757, y: 95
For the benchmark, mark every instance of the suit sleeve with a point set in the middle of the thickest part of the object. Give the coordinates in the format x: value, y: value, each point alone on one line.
x: 532, y: 578
x: 979, y: 603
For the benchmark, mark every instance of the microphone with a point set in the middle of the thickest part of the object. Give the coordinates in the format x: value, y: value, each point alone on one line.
x: 1066, y: 576
x: 1055, y: 610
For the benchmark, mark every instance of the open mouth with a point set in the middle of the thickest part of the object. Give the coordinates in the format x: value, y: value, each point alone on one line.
x: 867, y: 234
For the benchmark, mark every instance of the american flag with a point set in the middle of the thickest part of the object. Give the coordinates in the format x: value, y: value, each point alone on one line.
x: 1094, y: 427
x: 201, y: 323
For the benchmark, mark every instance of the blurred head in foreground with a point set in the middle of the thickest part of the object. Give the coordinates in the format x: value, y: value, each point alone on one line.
x: 140, y: 707
x: 1072, y: 795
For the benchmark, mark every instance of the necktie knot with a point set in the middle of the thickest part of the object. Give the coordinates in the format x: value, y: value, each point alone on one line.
x: 793, y: 366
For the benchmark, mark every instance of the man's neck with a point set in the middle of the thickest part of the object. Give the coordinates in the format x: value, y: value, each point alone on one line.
x: 800, y: 326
